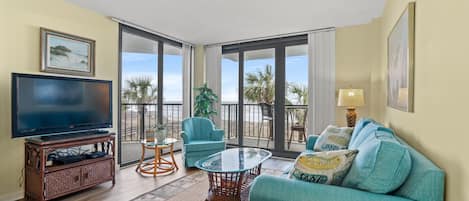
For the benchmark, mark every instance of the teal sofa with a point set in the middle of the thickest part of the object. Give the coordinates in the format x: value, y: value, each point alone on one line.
x: 201, y: 139
x: 421, y: 179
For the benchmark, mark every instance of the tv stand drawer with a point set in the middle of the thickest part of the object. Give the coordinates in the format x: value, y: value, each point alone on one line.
x: 62, y: 182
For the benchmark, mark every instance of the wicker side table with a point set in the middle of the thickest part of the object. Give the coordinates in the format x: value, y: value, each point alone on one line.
x: 158, y: 165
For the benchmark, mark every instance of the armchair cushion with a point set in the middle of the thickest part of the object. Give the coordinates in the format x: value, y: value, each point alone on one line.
x: 204, y: 145
x: 217, y: 135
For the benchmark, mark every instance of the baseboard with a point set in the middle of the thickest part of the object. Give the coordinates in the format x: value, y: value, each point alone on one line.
x: 12, y: 196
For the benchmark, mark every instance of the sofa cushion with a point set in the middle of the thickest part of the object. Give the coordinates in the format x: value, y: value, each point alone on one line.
x: 327, y: 167
x: 381, y: 165
x: 358, y: 127
x: 201, y: 145
x: 333, y: 138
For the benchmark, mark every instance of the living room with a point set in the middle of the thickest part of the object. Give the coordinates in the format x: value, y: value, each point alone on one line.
x: 325, y: 63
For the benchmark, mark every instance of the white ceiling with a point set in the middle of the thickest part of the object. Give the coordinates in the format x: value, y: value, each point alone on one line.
x: 214, y: 21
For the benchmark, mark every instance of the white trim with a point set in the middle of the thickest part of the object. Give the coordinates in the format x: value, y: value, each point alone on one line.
x: 131, y: 24
x: 321, y: 87
x: 272, y: 37
x: 213, y: 76
x: 186, y: 81
x: 12, y: 196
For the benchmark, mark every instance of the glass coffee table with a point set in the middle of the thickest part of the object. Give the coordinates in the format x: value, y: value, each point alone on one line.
x: 230, y: 172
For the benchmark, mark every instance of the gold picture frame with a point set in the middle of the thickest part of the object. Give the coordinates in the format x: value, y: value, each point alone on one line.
x: 401, y: 61
x: 64, y: 53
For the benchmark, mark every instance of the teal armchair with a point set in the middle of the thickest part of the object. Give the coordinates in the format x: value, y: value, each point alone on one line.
x: 201, y: 139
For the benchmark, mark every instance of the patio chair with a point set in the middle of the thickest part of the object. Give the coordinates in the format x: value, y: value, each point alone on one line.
x: 298, y: 126
x: 201, y: 139
x: 267, y: 115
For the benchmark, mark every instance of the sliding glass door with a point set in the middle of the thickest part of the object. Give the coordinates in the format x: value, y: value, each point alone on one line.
x: 259, y: 98
x: 151, y: 89
x: 272, y: 77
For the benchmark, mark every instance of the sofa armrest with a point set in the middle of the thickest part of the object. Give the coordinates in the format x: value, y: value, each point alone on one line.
x: 270, y: 188
x: 185, y: 137
x: 217, y: 135
x: 311, y: 141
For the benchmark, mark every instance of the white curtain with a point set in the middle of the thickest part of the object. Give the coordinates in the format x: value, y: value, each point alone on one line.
x: 187, y: 81
x: 213, y: 56
x: 321, y: 89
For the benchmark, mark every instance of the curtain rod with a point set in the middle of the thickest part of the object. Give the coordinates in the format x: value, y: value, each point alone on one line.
x: 271, y: 37
x: 150, y: 31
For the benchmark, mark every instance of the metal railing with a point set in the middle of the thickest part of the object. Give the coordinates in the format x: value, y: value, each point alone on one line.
x: 135, y: 118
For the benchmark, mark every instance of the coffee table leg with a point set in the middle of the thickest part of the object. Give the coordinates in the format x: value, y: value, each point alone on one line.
x: 171, y: 148
x: 157, y: 159
x: 142, y: 158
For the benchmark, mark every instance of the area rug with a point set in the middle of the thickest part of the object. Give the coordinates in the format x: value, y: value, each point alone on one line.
x: 192, y: 187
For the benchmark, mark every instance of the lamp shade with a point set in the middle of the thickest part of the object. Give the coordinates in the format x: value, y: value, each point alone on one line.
x: 351, y: 98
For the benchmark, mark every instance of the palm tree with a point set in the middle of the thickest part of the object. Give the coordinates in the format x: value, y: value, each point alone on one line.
x: 140, y: 90
x: 260, y: 86
x: 300, y: 92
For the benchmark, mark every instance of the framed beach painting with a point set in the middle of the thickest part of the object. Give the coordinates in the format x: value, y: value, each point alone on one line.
x: 401, y: 47
x: 67, y: 54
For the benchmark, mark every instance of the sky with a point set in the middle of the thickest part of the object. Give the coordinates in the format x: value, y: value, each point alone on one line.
x: 143, y: 64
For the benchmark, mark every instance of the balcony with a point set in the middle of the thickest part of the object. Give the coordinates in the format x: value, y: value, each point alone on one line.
x: 135, y: 118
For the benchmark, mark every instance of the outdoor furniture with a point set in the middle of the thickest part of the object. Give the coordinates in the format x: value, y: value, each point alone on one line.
x: 298, y: 126
x: 267, y: 115
x: 159, y: 165
x: 201, y: 139
x: 230, y: 172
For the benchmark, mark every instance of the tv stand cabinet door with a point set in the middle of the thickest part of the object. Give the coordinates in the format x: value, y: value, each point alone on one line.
x: 97, y: 173
x: 61, y: 182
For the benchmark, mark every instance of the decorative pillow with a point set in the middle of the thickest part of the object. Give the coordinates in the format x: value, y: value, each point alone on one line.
x: 328, y: 167
x: 333, y: 138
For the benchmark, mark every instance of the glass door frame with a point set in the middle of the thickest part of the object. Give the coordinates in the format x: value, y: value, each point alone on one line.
x: 279, y: 44
x: 161, y: 41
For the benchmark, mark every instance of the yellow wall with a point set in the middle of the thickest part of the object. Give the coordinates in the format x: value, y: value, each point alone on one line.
x: 19, y: 52
x: 356, y: 55
x: 438, y: 127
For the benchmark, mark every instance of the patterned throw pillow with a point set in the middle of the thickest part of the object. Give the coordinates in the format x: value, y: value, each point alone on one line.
x: 328, y: 167
x: 333, y: 138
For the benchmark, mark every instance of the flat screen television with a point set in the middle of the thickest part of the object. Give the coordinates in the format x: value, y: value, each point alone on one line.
x: 47, y: 105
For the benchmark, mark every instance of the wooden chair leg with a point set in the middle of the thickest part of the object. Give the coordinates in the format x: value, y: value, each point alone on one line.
x: 304, y: 135
x: 271, y: 136
x: 261, y: 128
x: 290, y: 138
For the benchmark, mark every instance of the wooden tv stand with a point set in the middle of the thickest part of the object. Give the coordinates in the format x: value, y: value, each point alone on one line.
x: 48, y: 182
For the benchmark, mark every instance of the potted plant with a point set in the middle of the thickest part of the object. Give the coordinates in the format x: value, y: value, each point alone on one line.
x: 204, y: 102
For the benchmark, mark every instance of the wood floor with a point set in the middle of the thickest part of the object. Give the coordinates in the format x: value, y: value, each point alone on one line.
x: 130, y: 184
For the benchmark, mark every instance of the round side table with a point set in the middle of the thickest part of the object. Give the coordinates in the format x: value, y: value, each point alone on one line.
x: 159, y: 165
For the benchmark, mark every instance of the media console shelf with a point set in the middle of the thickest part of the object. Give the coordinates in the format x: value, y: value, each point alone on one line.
x: 48, y: 182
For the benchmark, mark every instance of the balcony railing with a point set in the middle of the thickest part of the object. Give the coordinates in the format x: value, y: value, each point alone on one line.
x: 138, y: 117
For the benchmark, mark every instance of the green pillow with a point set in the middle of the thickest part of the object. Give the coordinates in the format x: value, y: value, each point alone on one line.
x: 333, y: 138
x: 329, y: 167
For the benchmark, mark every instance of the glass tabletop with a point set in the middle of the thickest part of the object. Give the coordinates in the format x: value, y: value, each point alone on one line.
x: 234, y: 160
x: 153, y: 142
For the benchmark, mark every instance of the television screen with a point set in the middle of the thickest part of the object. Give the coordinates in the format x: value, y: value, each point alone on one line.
x: 44, y: 105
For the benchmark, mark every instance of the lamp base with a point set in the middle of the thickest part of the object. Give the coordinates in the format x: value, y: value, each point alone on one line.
x: 351, y: 116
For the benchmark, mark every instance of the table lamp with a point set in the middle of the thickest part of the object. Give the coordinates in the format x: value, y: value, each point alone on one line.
x: 351, y: 98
